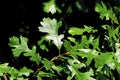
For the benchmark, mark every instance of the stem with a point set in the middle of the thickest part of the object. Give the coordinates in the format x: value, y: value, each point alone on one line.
x: 53, y: 59
x: 59, y: 52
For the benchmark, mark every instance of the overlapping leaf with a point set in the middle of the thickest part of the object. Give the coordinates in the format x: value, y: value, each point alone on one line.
x: 47, y: 64
x: 74, y: 67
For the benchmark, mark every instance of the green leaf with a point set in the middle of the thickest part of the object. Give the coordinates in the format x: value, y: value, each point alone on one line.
x: 19, y: 46
x: 79, y: 31
x: 47, y: 64
x: 104, y: 12
x: 38, y: 77
x: 42, y: 45
x: 14, y: 41
x: 44, y: 74
x: 84, y: 43
x: 114, y: 33
x: 33, y: 55
x: 4, y: 68
x: 57, y: 68
x: 118, y: 68
x: 68, y: 46
x: 117, y: 54
x: 85, y: 76
x: 104, y: 58
x: 51, y: 27
x: 95, y: 44
x: 72, y: 40
x: 50, y: 6
x: 69, y: 10
x: 77, y: 3
x: 25, y: 71
x: 113, y: 16
x: 76, y: 31
x: 13, y: 73
x: 87, y: 53
x: 74, y: 67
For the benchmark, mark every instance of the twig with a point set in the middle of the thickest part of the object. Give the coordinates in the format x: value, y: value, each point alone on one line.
x: 5, y: 76
x: 53, y: 59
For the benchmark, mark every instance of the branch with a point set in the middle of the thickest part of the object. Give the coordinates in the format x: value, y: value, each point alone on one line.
x: 53, y: 59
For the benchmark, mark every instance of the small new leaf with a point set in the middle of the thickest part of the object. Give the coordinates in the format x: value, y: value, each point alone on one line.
x: 50, y: 6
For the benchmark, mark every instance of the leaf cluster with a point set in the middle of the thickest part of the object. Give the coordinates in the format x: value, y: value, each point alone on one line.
x: 83, y: 59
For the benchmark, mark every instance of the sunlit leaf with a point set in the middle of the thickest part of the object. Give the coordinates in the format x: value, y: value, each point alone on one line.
x: 79, y: 31
x: 57, y: 68
x: 56, y: 40
x: 44, y: 74
x: 117, y: 54
x: 67, y: 45
x: 51, y: 27
x: 19, y: 46
x: 4, y: 68
x: 76, y: 31
x: 74, y: 68
x: 103, y: 59
x: 33, y: 55
x: 47, y: 64
x: 50, y: 6
x: 104, y: 12
x: 42, y: 45
x: 25, y: 71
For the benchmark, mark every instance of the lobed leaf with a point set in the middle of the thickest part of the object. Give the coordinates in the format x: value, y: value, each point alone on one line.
x: 47, y: 64
x: 104, y: 12
x: 51, y: 27
x: 79, y: 31
x: 25, y: 71
x: 74, y: 67
x: 50, y: 6
x: 19, y: 46
x: 33, y: 55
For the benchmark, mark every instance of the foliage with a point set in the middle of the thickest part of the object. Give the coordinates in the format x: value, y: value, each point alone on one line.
x: 104, y: 12
x: 50, y: 6
x: 83, y: 58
